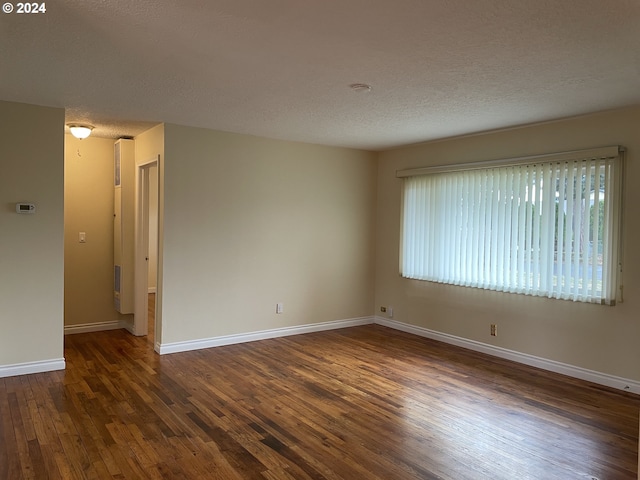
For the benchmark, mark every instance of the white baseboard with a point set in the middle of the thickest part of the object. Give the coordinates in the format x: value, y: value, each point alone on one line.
x: 32, y: 367
x: 128, y: 326
x: 176, y: 347
x: 526, y: 359
x: 612, y: 381
x: 93, y: 327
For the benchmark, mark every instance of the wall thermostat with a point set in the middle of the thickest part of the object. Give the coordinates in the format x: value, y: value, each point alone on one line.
x: 25, y: 208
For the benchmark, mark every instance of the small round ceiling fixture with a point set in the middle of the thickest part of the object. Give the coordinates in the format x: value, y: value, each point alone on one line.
x: 80, y: 131
x: 360, y: 87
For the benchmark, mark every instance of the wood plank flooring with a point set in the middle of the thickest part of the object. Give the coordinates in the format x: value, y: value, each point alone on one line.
x: 359, y: 403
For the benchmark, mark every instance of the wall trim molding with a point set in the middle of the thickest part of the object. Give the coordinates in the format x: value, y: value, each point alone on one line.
x: 92, y: 327
x: 128, y: 326
x: 32, y: 367
x: 605, y: 379
x: 176, y: 347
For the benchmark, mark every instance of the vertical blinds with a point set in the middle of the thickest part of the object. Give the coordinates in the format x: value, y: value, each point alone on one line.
x: 547, y: 228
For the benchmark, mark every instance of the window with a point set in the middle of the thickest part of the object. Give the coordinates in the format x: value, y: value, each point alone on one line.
x: 545, y: 226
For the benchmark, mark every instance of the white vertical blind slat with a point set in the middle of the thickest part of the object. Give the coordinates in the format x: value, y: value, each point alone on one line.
x: 595, y: 234
x: 569, y: 235
x: 547, y: 229
x: 586, y: 231
x: 607, y: 277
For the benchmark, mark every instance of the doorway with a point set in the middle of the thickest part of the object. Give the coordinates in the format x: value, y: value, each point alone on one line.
x: 146, y: 318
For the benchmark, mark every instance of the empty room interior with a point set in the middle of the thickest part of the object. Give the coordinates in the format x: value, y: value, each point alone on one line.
x: 320, y: 240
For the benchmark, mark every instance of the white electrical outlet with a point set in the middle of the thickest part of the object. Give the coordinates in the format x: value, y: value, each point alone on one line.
x: 279, y: 307
x: 390, y: 312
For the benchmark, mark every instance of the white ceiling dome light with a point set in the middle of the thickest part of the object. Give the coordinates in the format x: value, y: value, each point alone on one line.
x: 80, y: 131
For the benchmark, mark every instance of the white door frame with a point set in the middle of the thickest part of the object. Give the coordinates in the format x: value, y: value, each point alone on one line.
x: 141, y: 255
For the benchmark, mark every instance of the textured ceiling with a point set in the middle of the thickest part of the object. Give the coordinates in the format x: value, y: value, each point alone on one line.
x: 282, y: 68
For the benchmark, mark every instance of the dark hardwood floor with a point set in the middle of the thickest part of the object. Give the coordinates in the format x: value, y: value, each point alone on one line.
x: 359, y: 403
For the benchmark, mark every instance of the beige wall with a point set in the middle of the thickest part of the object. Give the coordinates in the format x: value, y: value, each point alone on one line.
x: 249, y: 222
x: 88, y: 267
x: 599, y: 338
x: 31, y: 246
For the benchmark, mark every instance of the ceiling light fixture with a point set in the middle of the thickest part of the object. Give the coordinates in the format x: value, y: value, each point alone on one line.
x: 360, y: 87
x: 80, y: 131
